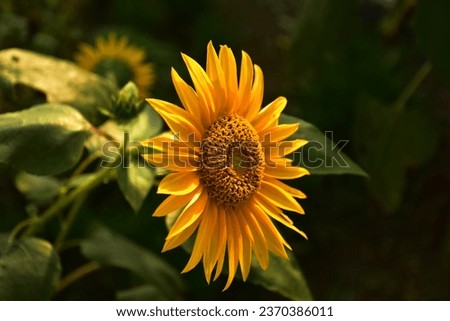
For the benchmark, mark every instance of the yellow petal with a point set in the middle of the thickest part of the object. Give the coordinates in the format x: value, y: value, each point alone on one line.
x: 284, y: 148
x: 207, y: 225
x: 279, y: 197
x: 189, y: 98
x: 179, y: 239
x: 278, y: 216
x: 259, y: 240
x: 190, y: 214
x: 269, y: 208
x: 228, y: 63
x: 274, y: 239
x: 245, y: 84
x: 283, y: 172
x: 280, y: 162
x: 179, y: 183
x: 233, y: 248
x: 179, y: 121
x: 277, y: 133
x: 269, y: 115
x: 211, y: 253
x: 222, y: 241
x: 203, y: 86
x: 256, y: 95
x: 174, y: 202
x: 174, y: 162
x: 215, y: 72
x: 246, y: 255
x: 293, y: 191
x: 167, y: 143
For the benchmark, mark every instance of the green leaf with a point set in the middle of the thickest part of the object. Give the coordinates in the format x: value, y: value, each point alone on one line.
x: 29, y: 269
x: 411, y: 142
x: 97, y: 142
x: 145, y: 125
x: 39, y: 190
x: 44, y: 140
x: 109, y: 248
x: 135, y: 180
x: 321, y: 155
x: 282, y: 276
x: 134, y: 176
x: 139, y: 293
x: 61, y: 81
x: 431, y: 23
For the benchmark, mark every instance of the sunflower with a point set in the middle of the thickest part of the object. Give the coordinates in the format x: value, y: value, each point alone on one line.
x: 227, y: 156
x: 113, y: 57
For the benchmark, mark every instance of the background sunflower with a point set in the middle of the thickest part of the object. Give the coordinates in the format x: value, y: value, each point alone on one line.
x: 115, y: 58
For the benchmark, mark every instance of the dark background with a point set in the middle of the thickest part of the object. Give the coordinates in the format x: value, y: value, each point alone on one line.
x: 344, y: 66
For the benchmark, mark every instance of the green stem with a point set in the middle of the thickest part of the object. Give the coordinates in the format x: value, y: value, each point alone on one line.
x: 85, y: 163
x: 77, y: 274
x: 391, y: 23
x: 67, y: 223
x: 100, y: 132
x: 409, y: 90
x: 19, y: 227
x: 66, y: 200
x: 398, y: 107
x: 65, y: 226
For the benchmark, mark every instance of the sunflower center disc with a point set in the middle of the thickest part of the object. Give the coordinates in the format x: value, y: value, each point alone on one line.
x: 231, y: 160
x: 115, y: 68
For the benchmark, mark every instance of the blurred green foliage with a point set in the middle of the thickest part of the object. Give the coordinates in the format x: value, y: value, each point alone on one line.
x: 374, y: 72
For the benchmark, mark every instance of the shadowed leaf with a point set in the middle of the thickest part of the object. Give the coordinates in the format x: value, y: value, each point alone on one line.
x: 321, y: 155
x: 109, y: 248
x: 43, y: 140
x: 282, y: 276
x: 29, y: 269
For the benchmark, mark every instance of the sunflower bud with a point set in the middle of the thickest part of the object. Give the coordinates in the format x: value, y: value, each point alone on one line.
x: 128, y: 103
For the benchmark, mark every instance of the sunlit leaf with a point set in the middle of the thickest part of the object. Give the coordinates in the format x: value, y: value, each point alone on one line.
x: 282, y: 276
x: 321, y: 155
x: 145, y: 125
x: 135, y: 180
x: 61, y: 81
x: 43, y: 140
x: 134, y: 176
x: 29, y: 269
x: 109, y: 248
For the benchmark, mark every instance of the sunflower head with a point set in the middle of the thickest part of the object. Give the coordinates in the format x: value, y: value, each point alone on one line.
x: 227, y: 157
x: 113, y: 57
